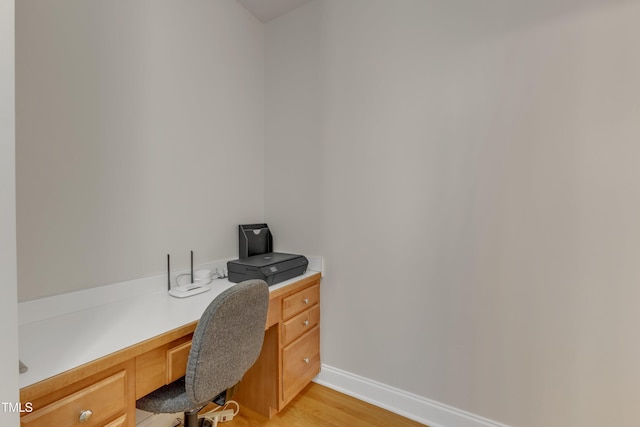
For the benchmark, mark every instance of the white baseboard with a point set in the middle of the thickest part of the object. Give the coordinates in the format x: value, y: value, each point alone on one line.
x: 409, y: 405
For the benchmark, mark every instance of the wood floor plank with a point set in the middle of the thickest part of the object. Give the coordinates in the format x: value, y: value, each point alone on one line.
x: 319, y: 406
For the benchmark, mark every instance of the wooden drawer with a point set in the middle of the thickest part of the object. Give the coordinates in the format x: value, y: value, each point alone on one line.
x: 177, y: 358
x: 161, y: 365
x: 298, y: 325
x: 105, y: 399
x: 300, y: 301
x: 300, y: 363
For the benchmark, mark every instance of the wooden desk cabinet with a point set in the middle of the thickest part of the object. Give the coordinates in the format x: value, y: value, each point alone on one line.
x: 103, y: 392
x: 290, y: 355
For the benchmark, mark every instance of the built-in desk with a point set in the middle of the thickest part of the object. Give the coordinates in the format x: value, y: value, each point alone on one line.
x: 94, y: 362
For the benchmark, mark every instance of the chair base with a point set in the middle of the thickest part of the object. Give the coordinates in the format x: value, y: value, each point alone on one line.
x: 191, y: 418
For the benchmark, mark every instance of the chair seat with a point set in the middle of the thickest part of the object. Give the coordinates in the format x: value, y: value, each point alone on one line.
x: 167, y: 399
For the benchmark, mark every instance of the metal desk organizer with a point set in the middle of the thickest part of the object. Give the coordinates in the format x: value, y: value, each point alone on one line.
x: 256, y: 259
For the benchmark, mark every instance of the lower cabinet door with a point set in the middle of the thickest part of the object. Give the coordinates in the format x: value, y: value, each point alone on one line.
x: 120, y: 422
x: 300, y: 363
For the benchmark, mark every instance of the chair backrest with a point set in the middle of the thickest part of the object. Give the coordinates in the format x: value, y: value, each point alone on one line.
x: 227, y: 340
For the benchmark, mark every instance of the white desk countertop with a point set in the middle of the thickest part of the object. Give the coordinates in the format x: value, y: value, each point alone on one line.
x: 65, y: 331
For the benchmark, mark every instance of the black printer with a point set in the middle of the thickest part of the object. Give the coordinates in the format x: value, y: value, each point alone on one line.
x: 258, y: 261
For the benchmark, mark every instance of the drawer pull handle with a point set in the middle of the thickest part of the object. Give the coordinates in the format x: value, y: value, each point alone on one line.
x: 305, y: 323
x: 306, y: 360
x: 85, y: 415
x: 306, y: 300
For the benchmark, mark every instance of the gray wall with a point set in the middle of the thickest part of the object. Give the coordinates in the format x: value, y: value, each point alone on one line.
x: 8, y: 289
x: 470, y: 175
x: 467, y: 169
x: 294, y: 131
x: 140, y: 130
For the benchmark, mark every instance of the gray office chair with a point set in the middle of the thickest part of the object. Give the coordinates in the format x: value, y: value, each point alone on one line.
x: 226, y: 343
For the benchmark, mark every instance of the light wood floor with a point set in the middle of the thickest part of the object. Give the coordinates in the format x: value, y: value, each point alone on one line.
x: 323, y: 407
